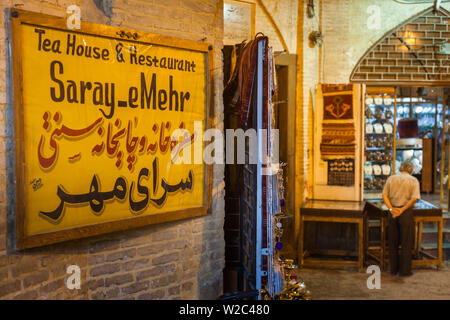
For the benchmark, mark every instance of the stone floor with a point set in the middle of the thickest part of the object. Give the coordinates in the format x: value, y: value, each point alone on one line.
x: 351, y: 285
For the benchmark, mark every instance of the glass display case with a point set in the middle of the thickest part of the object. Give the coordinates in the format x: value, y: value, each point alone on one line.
x: 403, y: 109
x: 424, y: 110
x: 426, y: 115
x: 410, y: 149
x: 379, y: 139
x: 426, y: 121
x: 426, y: 105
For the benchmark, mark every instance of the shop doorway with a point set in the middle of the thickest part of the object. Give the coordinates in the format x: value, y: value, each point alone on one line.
x: 285, y: 116
x: 430, y: 155
x: 412, y: 59
x: 420, y: 118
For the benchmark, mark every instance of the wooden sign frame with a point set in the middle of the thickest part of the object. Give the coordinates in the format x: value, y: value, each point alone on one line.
x: 19, y: 17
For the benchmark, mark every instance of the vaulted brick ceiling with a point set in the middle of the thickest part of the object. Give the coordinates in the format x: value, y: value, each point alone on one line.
x: 409, y: 53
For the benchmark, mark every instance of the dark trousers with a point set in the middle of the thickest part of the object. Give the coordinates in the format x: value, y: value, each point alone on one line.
x: 401, y: 232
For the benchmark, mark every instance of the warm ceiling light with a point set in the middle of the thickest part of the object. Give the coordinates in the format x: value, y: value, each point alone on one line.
x: 409, y: 41
x: 410, y: 38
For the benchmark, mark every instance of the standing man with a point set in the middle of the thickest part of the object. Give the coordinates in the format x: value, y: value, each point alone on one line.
x: 400, y: 193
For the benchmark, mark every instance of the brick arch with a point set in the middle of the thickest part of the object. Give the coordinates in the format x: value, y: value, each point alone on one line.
x: 409, y: 53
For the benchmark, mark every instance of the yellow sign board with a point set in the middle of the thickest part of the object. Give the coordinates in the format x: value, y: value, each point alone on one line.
x: 95, y: 112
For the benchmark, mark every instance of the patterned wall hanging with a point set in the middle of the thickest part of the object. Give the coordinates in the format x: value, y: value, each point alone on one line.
x: 338, y: 128
x: 341, y: 172
x: 338, y: 107
x: 338, y: 139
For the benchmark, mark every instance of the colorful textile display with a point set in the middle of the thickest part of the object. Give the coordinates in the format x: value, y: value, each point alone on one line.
x: 338, y: 133
x: 255, y: 73
x: 333, y: 88
x: 338, y: 128
x: 338, y: 139
x: 338, y: 107
x: 338, y: 150
x: 341, y: 172
x: 239, y: 91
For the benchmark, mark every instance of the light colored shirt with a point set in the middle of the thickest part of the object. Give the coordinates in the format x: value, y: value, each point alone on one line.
x: 401, y: 188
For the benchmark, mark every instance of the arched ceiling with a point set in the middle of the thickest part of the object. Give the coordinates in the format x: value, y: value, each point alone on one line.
x: 414, y: 51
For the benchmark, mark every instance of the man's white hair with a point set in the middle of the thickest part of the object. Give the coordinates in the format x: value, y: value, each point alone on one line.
x: 407, y: 166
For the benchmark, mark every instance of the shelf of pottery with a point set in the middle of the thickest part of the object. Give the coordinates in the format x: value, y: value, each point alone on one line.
x: 379, y: 142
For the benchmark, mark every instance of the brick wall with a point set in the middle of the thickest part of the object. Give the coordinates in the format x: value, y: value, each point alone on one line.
x: 179, y: 260
x: 410, y: 53
x: 284, y: 13
x: 237, y: 22
x: 308, y: 77
x: 348, y: 33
